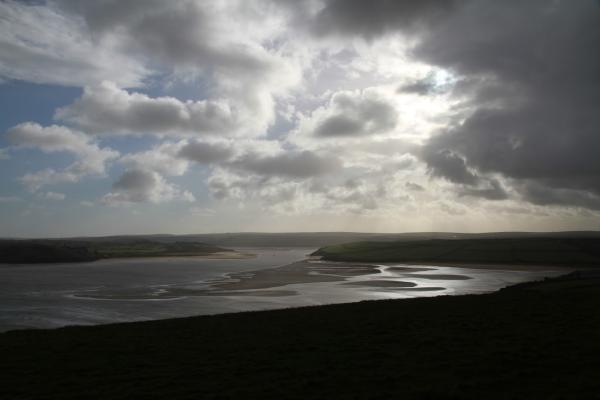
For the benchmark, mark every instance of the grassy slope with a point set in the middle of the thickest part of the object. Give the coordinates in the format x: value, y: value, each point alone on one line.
x: 555, y: 251
x: 528, y: 342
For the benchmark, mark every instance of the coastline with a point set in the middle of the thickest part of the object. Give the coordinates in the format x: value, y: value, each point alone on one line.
x: 220, y: 255
x: 531, y: 341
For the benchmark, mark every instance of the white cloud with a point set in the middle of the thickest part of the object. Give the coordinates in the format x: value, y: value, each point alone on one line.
x: 39, y: 44
x: 106, y: 109
x: 91, y: 159
x: 140, y: 186
x: 163, y: 159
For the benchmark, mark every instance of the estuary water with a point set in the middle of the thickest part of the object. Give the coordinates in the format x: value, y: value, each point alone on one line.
x: 119, y: 290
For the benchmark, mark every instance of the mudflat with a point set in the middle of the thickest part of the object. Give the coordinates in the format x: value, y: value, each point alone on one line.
x: 531, y: 341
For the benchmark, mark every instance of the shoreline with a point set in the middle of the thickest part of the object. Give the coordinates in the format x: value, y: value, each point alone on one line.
x: 273, y: 282
x: 467, y: 347
x: 233, y: 289
x: 221, y: 255
x: 457, y: 264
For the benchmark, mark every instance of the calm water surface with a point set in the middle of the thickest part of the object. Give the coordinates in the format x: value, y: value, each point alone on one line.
x: 54, y: 295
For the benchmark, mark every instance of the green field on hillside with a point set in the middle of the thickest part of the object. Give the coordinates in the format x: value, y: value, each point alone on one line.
x: 526, y: 251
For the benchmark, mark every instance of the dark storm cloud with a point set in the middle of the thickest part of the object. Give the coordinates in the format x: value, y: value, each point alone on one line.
x: 544, y: 126
x: 376, y: 17
x: 543, y: 195
x: 492, y: 190
x: 448, y: 165
x: 531, y: 71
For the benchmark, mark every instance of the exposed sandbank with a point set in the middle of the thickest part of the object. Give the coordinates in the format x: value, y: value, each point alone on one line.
x: 383, y: 283
x: 298, y: 272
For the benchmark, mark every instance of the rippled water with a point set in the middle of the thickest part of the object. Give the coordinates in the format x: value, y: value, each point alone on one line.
x: 53, y: 295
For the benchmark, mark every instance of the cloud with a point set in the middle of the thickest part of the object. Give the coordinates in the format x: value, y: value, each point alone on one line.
x: 106, y: 109
x: 532, y: 87
x: 91, y: 159
x: 527, y: 86
x: 377, y: 17
x: 414, y: 186
x: 545, y: 196
x: 352, y: 114
x: 295, y: 165
x: 491, y: 190
x: 230, y: 47
x: 162, y: 158
x: 205, y: 153
x: 449, y: 165
x: 40, y: 44
x: 176, y: 34
x: 54, y: 196
x: 432, y: 84
x: 140, y: 186
x: 4, y: 154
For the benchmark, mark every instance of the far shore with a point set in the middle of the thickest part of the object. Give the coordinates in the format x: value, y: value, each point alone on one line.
x: 221, y: 255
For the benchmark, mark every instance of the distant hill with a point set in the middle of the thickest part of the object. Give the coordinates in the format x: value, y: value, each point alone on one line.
x: 530, y: 250
x: 321, y: 239
x: 92, y: 248
x: 70, y: 250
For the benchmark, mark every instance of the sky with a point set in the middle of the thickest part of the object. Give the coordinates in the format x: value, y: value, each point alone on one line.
x: 185, y: 116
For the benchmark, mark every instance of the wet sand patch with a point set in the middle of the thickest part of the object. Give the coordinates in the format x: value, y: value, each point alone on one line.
x: 410, y: 269
x: 350, y: 270
x: 383, y: 283
x: 420, y: 289
x: 298, y: 272
x: 440, y: 277
x: 125, y: 296
x: 259, y: 293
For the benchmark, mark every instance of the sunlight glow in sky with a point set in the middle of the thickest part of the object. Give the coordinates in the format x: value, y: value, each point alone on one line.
x: 319, y: 115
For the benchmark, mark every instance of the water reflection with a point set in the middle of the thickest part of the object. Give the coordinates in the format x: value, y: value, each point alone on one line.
x: 43, y: 296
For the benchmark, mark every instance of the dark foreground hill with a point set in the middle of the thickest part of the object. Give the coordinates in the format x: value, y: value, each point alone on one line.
x: 566, y: 251
x: 534, y: 341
